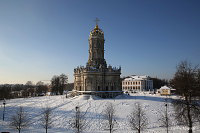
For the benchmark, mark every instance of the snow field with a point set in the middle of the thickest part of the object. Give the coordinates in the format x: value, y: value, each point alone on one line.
x: 64, y: 108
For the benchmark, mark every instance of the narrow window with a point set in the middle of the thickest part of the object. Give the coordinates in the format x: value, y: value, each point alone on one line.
x: 106, y: 88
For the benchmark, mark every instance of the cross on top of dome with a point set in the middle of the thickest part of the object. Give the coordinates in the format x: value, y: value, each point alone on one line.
x: 96, y: 20
x: 96, y: 31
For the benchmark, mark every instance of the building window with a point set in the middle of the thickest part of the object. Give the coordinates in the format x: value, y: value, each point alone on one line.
x: 98, y: 88
x: 106, y: 88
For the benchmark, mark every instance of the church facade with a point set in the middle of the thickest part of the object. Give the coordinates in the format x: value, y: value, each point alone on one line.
x: 96, y: 78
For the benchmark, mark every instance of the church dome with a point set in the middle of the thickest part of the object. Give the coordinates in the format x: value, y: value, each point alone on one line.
x: 97, y: 32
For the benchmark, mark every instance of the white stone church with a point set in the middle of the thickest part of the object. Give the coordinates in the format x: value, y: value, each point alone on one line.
x: 97, y: 78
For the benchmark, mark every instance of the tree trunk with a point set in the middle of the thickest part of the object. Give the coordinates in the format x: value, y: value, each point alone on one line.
x: 46, y: 130
x: 110, y: 129
x: 19, y: 128
x: 189, y: 115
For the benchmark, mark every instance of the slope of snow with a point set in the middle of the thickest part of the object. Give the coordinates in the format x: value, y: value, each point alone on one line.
x: 64, y: 108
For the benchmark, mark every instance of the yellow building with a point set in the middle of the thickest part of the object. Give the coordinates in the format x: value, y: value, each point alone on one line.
x: 164, y: 90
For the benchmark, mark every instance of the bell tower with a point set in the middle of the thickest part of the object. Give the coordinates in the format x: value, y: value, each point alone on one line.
x: 97, y: 78
x: 96, y: 48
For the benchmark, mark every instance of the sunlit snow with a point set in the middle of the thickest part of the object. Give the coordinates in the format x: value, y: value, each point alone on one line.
x: 64, y: 108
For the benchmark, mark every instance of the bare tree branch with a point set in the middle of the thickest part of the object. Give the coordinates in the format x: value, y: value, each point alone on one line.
x: 20, y: 120
x: 78, y: 122
x: 186, y: 82
x: 137, y: 119
x: 46, y: 118
x: 109, y: 115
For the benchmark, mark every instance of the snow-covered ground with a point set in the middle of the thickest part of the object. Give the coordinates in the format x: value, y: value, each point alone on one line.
x: 64, y: 108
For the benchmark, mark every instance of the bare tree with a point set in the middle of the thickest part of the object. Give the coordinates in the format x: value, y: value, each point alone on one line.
x: 187, y: 85
x: 198, y: 84
x: 187, y: 113
x: 20, y: 120
x: 137, y: 119
x: 109, y: 117
x: 46, y: 118
x: 78, y: 121
x: 5, y: 91
x: 63, y: 82
x: 29, y: 83
x: 39, y: 83
x: 59, y: 83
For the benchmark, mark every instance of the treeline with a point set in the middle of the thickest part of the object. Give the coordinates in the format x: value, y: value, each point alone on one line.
x: 158, y: 83
x: 58, y: 84
x: 9, y: 91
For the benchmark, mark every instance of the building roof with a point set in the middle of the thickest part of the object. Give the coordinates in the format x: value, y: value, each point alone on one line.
x: 136, y: 78
x: 165, y: 87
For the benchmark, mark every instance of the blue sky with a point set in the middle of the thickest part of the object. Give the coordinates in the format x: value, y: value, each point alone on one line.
x: 42, y: 38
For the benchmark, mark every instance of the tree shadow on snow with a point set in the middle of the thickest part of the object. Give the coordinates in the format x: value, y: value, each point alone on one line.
x: 149, y: 98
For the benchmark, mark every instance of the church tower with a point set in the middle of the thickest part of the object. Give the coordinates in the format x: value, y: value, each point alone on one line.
x: 97, y: 78
x: 96, y: 48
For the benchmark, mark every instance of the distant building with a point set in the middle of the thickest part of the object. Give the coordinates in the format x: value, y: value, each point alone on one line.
x: 164, y: 90
x: 137, y: 83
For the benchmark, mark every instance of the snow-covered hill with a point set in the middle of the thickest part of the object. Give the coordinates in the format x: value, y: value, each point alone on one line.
x: 64, y: 108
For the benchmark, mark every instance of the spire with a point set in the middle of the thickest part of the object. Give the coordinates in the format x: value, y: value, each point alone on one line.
x: 97, y: 20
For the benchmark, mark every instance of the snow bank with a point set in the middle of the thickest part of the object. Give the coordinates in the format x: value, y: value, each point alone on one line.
x: 88, y: 97
x: 92, y: 97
